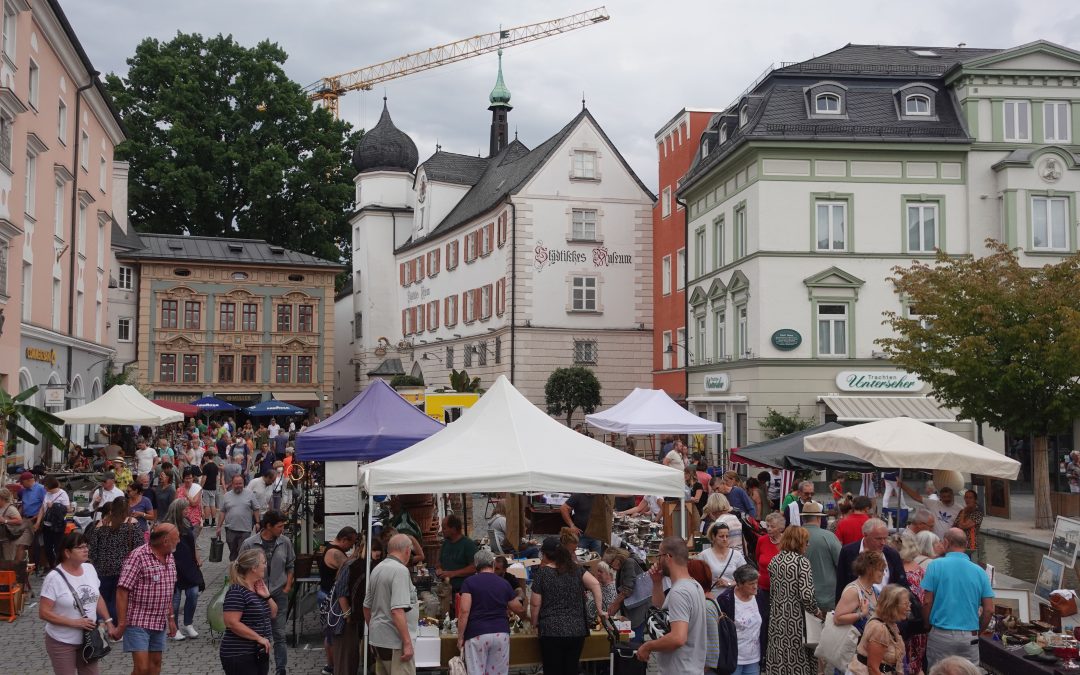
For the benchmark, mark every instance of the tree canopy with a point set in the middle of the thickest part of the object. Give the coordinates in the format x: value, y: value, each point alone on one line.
x: 568, y: 389
x: 222, y: 143
x: 997, y: 341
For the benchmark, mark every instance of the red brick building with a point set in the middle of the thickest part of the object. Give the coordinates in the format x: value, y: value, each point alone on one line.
x: 676, y: 144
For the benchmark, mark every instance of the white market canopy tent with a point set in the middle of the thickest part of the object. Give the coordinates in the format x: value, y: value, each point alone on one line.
x: 506, y: 444
x: 904, y: 443
x: 651, y: 411
x: 122, y: 404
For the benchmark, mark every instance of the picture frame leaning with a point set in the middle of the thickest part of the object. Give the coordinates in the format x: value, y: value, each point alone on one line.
x: 1066, y: 541
x: 1049, y: 580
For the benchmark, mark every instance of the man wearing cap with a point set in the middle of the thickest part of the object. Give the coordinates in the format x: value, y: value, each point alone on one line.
x: 823, y: 550
x: 105, y: 493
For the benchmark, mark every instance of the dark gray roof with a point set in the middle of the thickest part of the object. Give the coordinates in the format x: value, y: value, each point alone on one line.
x: 778, y: 107
x: 450, y: 167
x: 507, y: 172
x: 221, y: 250
x: 125, y: 240
x: 345, y: 290
x: 887, y: 59
x: 388, y: 367
x: 385, y: 148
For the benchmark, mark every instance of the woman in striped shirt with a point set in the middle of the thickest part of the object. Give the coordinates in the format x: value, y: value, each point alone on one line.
x: 248, y: 610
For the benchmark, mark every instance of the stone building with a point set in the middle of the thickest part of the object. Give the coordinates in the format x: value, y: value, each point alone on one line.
x: 240, y: 319
x: 516, y: 263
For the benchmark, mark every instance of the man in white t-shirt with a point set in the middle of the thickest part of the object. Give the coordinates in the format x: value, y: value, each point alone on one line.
x: 274, y: 429
x: 943, y: 506
x: 146, y: 459
x: 105, y: 493
x: 676, y: 457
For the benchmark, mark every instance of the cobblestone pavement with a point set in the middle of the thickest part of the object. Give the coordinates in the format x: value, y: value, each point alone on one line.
x: 25, y: 638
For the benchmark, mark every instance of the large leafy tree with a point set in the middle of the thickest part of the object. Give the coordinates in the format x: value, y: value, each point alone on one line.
x: 222, y: 143
x: 997, y: 341
x: 568, y: 389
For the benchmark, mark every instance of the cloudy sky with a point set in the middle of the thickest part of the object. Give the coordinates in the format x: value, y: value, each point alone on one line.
x: 636, y: 70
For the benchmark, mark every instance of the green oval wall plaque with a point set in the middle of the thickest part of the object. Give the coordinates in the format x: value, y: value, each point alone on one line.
x: 786, y: 339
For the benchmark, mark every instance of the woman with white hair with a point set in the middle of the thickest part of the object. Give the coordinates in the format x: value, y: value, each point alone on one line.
x: 718, y: 510
x: 930, y: 546
x: 483, y: 628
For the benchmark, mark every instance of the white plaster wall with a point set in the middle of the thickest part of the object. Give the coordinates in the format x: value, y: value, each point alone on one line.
x: 384, y: 188
x: 440, y: 200
x: 373, y: 258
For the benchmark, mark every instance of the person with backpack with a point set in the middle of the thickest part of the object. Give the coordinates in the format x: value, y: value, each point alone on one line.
x: 52, y: 519
x: 682, y: 648
x: 748, y: 606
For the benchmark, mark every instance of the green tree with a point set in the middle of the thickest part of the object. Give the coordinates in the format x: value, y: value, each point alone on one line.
x: 568, y: 389
x: 113, y: 378
x: 406, y: 381
x: 460, y: 382
x: 17, y: 418
x: 998, y: 342
x: 222, y: 143
x: 777, y: 424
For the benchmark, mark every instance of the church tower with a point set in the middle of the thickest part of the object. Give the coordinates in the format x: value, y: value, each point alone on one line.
x: 500, y: 107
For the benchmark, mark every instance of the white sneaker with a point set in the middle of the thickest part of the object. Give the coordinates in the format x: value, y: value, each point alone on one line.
x: 189, y: 631
x: 179, y: 635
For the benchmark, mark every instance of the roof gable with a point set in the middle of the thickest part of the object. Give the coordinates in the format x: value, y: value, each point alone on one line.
x: 1038, y: 55
x: 698, y: 297
x: 834, y: 278
x: 717, y: 290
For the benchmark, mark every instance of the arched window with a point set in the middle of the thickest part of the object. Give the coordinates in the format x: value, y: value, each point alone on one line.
x: 723, y: 134
x: 917, y: 104
x: 744, y: 115
x: 827, y: 104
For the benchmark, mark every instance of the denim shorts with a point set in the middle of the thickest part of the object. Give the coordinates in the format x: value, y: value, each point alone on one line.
x: 138, y: 639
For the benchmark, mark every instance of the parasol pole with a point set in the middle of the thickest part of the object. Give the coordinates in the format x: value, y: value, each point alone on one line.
x: 367, y: 575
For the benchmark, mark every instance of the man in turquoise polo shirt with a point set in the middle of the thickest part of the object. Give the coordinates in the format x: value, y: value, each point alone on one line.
x: 955, y: 590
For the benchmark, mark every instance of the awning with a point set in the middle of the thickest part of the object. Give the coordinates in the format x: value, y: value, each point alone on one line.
x: 304, y: 399
x: 873, y: 408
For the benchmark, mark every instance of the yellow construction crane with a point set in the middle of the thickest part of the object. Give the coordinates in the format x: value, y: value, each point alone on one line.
x: 330, y: 89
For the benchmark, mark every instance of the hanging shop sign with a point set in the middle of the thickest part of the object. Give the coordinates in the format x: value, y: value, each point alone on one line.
x: 54, y: 397
x: 717, y: 382
x: 878, y: 380
x: 786, y: 339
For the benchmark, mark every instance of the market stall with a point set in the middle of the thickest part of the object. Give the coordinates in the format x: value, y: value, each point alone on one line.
x: 904, y: 443
x: 787, y: 452
x: 375, y: 424
x: 651, y: 411
x: 212, y: 404
x: 186, y: 409
x: 272, y: 407
x: 506, y: 444
x: 121, y: 404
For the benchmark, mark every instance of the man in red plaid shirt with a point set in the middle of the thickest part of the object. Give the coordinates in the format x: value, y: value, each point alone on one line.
x: 144, y: 600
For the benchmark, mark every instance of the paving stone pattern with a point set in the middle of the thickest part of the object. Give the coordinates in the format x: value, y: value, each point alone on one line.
x: 25, y: 638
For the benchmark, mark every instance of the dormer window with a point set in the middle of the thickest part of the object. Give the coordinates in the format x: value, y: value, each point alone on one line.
x: 827, y: 104
x: 704, y: 147
x: 744, y: 116
x: 917, y: 104
x: 723, y: 135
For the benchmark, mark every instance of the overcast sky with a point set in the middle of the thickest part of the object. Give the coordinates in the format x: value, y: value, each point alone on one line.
x: 636, y: 70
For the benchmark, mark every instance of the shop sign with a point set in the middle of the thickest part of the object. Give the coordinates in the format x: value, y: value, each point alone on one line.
x: 717, y: 382
x: 601, y: 257
x: 38, y: 354
x: 54, y: 397
x: 878, y: 380
x: 786, y: 339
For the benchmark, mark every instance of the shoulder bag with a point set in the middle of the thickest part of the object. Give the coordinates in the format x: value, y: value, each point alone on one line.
x: 729, y: 642
x: 95, y: 643
x: 837, y: 644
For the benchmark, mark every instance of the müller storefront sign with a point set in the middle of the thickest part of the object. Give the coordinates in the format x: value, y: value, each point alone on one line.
x: 600, y: 256
x: 878, y: 380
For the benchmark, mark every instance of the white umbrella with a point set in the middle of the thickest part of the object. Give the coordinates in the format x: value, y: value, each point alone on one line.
x: 904, y: 443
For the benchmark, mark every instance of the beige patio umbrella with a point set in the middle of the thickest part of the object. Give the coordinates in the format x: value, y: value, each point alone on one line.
x: 904, y: 443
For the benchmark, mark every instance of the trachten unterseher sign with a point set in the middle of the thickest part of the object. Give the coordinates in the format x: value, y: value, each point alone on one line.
x: 882, y: 381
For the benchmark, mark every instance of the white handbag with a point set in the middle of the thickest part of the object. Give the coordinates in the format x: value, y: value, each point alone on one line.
x: 812, y: 633
x: 457, y: 666
x: 837, y: 644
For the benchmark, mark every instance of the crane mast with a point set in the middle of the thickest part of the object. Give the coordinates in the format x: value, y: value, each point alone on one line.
x: 329, y: 89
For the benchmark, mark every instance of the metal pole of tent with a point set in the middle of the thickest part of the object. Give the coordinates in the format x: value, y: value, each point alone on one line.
x: 682, y: 516
x: 367, y: 575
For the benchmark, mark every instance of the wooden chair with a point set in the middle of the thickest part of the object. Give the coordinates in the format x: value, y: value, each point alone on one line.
x: 11, y: 596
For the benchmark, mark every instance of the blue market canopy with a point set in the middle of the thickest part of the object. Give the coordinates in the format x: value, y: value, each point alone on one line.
x: 212, y: 404
x: 272, y: 407
x: 375, y: 424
